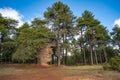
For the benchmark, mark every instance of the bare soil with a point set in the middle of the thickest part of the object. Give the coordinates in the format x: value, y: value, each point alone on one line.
x: 34, y: 72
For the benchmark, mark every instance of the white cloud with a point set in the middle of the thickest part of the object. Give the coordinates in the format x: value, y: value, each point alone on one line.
x: 116, y: 47
x: 13, y: 14
x: 117, y: 21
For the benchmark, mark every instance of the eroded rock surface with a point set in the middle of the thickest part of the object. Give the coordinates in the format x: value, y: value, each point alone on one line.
x: 45, y: 55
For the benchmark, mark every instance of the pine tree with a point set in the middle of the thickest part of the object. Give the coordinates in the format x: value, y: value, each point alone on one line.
x: 61, y: 18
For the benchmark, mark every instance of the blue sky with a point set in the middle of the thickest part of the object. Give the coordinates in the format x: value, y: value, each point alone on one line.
x: 107, y: 11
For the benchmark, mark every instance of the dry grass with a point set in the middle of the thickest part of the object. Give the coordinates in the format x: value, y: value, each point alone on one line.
x: 88, y: 67
x: 10, y: 71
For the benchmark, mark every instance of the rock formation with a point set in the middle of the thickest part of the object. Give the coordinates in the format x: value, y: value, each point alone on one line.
x: 45, y: 55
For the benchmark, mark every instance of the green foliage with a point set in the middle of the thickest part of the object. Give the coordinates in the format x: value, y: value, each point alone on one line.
x: 116, y: 36
x: 7, y: 32
x: 92, y: 36
x: 111, y: 52
x: 23, y: 44
x: 59, y: 13
x: 115, y: 63
x: 38, y: 22
x: 71, y: 60
x: 7, y: 48
x: 61, y: 18
x: 23, y: 53
x: 30, y: 41
x: 116, y: 33
x: 75, y: 58
x: 77, y: 55
x: 7, y: 28
x: 107, y: 67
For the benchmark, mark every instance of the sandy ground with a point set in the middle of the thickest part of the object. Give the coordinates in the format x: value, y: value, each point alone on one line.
x: 23, y: 72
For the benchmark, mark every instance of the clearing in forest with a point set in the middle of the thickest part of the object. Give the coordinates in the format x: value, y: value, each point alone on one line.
x: 33, y: 72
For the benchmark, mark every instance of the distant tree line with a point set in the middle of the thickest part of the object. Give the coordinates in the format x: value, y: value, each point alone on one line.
x: 79, y: 40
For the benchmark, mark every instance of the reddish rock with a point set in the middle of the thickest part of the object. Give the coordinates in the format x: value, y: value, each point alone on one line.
x: 45, y: 55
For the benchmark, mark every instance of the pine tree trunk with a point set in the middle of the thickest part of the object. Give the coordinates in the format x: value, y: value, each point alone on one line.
x: 63, y: 48
x: 105, y: 54
x: 58, y: 46
x: 91, y: 55
x: 58, y: 52
x: 59, y: 63
x: 2, y: 38
x: 66, y: 57
x: 84, y: 56
x: 96, y: 59
x: 100, y: 58
x: 82, y: 61
x: 83, y: 50
x: 63, y: 54
x: 53, y: 59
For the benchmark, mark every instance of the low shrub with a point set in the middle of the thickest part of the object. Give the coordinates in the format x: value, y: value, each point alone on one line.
x: 107, y: 67
x: 114, y: 64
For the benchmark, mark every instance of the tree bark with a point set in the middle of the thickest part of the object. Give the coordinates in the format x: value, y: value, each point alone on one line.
x: 82, y: 49
x: 100, y: 58
x: 84, y: 56
x: 96, y: 59
x: 91, y: 55
x: 63, y: 52
x: 66, y: 57
x: 58, y: 46
x: 105, y: 54
x: 58, y: 52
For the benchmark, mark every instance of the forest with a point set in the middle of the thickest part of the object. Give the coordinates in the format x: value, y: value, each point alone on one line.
x: 79, y: 40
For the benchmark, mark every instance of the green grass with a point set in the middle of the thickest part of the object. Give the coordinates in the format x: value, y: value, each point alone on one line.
x: 86, y: 67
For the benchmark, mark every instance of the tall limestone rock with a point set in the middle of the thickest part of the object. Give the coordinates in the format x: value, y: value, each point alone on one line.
x: 45, y: 55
